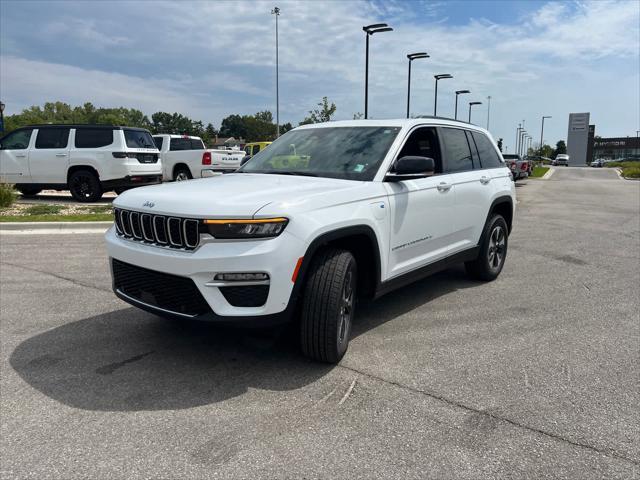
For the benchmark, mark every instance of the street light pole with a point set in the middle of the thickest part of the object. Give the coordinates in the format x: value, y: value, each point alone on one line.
x: 412, y: 57
x: 370, y: 30
x: 488, y: 110
x: 459, y: 92
x: 440, y: 76
x: 471, y: 104
x: 518, y: 138
x: 542, y: 132
x: 276, y: 12
x: 1, y: 117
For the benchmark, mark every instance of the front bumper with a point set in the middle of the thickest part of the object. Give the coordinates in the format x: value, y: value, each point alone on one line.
x: 277, y: 257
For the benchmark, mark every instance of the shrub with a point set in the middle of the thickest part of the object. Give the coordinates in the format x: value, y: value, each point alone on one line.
x: 631, y: 172
x: 7, y: 195
x: 43, y: 209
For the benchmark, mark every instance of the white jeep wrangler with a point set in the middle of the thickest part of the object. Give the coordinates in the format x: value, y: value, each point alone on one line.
x: 329, y: 213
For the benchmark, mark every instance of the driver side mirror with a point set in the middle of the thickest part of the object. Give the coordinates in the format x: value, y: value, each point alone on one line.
x: 410, y: 168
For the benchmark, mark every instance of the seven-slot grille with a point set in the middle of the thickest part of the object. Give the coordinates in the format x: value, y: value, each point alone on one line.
x: 162, y: 230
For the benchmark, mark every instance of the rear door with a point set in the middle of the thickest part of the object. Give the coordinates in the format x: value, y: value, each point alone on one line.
x: 49, y: 159
x: 471, y: 185
x: 14, y: 157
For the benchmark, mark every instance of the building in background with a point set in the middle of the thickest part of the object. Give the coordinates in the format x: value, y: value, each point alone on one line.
x: 616, y: 148
x: 578, y: 139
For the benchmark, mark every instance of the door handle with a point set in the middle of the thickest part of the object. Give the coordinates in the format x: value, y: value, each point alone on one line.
x: 444, y: 187
x: 20, y: 155
x: 484, y: 180
x: 61, y: 154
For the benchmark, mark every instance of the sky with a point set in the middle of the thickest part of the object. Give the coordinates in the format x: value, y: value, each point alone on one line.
x: 210, y: 59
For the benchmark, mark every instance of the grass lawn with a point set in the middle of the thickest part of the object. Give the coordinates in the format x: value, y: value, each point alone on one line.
x: 78, y: 217
x: 538, y: 171
x: 629, y: 169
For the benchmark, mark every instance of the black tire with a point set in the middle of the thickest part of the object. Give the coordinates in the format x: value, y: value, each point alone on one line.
x: 28, y: 191
x: 85, y: 186
x: 493, y: 250
x: 120, y: 190
x: 328, y: 305
x: 181, y: 174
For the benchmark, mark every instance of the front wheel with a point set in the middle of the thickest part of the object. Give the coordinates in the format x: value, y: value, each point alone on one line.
x: 328, y: 305
x: 85, y: 186
x: 493, y: 250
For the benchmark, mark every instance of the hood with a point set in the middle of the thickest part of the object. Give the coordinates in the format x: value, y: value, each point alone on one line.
x: 231, y: 195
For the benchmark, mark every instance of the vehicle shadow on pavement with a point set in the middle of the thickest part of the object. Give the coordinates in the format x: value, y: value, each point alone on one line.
x: 130, y: 360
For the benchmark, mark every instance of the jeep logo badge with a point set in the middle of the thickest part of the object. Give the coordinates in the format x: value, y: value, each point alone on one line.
x: 148, y: 204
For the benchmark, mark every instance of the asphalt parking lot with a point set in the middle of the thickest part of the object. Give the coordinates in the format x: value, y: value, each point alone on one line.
x: 534, y: 375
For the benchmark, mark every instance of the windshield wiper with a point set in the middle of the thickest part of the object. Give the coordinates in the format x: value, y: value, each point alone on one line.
x: 291, y: 172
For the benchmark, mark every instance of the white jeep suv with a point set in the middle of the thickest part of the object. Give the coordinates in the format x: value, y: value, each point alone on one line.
x: 86, y: 159
x: 329, y: 213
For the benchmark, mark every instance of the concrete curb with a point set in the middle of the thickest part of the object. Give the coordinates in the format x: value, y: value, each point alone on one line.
x: 53, y: 227
x: 550, y: 172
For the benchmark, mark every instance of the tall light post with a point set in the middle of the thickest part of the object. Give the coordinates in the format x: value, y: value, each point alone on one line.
x: 488, y: 110
x: 440, y: 76
x: 459, y: 92
x: 370, y: 30
x: 517, y: 149
x: 276, y: 12
x: 523, y: 133
x: 471, y: 104
x: 412, y: 57
x: 1, y: 117
x: 542, y: 132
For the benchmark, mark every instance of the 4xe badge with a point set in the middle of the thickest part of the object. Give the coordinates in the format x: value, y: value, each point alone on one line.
x: 148, y: 204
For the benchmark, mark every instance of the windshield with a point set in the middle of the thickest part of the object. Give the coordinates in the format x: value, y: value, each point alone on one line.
x: 139, y: 139
x: 351, y: 153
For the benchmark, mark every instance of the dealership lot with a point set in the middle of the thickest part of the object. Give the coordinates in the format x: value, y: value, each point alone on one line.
x: 535, y: 374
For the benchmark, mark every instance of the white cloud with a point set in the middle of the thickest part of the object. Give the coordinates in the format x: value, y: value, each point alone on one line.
x: 562, y: 58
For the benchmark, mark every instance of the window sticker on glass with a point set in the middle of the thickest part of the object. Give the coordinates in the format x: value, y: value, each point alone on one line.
x: 358, y: 168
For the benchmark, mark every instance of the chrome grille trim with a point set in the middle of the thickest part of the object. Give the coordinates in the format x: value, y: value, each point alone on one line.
x: 148, y: 236
x: 171, y: 240
x: 160, y: 230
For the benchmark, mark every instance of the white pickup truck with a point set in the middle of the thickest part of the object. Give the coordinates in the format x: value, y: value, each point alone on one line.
x: 184, y: 157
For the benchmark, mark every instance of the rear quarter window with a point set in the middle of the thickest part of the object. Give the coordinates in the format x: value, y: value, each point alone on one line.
x: 93, y: 137
x: 489, y: 158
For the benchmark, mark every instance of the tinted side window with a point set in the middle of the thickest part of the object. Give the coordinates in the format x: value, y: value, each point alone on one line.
x: 17, y: 140
x: 457, y: 153
x: 180, y: 144
x: 488, y: 155
x: 197, y: 144
x: 158, y: 141
x: 93, y: 137
x: 474, y: 151
x: 256, y: 149
x: 52, y: 138
x: 423, y: 142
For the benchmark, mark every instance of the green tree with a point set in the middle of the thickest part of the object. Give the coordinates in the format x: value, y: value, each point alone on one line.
x: 284, y: 128
x: 500, y: 144
x: 561, y: 147
x: 321, y: 114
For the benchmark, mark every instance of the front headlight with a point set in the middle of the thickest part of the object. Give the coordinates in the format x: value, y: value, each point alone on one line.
x: 245, y: 228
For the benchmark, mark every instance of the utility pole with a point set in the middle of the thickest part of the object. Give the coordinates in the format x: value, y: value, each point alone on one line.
x: 488, y: 110
x: 276, y: 12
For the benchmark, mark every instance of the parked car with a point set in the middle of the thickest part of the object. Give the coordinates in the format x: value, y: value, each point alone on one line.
x: 598, y: 162
x: 518, y: 166
x: 185, y: 157
x: 252, y: 148
x: 85, y: 159
x: 274, y: 243
x: 561, y: 159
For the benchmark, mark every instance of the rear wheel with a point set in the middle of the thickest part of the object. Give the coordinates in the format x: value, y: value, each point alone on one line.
x: 182, y: 174
x: 328, y: 305
x: 85, y: 186
x: 493, y: 250
x: 27, y: 190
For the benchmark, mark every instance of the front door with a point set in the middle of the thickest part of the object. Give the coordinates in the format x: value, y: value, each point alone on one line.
x: 49, y: 159
x: 14, y: 157
x: 421, y: 210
